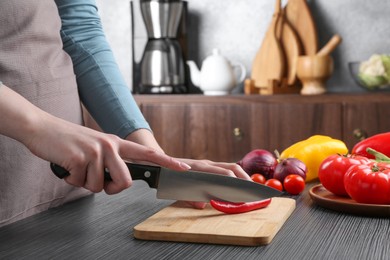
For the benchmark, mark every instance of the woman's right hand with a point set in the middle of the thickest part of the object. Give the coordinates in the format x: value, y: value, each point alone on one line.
x: 84, y: 152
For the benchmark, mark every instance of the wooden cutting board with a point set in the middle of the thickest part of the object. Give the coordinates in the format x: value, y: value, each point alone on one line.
x: 291, y: 46
x: 180, y: 222
x: 301, y: 20
x: 269, y: 63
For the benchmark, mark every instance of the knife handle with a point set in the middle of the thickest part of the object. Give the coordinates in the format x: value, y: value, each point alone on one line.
x: 61, y: 172
x: 147, y: 173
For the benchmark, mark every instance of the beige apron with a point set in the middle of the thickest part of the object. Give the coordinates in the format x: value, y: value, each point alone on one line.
x: 33, y: 64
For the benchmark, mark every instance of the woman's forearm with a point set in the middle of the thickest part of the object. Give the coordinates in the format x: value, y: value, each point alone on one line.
x: 84, y: 152
x: 19, y: 118
x: 144, y: 137
x: 102, y: 88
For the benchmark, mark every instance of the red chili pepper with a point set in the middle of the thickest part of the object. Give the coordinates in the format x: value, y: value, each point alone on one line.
x: 378, y: 142
x: 234, y: 208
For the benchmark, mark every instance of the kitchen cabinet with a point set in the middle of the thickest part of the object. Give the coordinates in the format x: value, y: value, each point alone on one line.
x: 362, y: 118
x: 212, y: 130
x: 278, y: 125
x: 225, y: 128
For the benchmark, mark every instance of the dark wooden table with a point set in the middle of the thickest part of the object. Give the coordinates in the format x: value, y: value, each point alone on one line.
x: 101, y: 227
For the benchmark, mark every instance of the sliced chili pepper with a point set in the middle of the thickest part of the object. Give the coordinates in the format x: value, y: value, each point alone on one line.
x: 235, y: 208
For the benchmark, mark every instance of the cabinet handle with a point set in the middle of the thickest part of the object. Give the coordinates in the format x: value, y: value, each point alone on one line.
x: 359, y: 134
x: 237, y: 133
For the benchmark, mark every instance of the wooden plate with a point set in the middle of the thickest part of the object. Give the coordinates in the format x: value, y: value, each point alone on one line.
x: 328, y: 200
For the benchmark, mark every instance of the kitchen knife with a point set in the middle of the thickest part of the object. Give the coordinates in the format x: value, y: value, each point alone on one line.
x: 191, y: 185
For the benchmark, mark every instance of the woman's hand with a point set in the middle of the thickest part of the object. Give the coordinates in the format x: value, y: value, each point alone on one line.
x: 85, y: 153
x: 80, y: 150
x: 223, y: 168
x: 146, y: 138
x: 228, y: 169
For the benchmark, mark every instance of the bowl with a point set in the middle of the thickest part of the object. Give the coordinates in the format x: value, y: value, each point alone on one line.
x: 354, y: 71
x: 313, y: 71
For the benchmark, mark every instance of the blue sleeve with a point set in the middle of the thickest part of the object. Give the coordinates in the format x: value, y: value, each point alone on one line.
x: 102, y: 88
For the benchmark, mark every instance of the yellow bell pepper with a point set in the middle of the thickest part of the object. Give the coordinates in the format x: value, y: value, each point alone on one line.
x: 313, y: 151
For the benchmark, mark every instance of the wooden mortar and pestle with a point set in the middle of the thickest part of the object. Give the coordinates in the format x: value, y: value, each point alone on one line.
x: 314, y: 70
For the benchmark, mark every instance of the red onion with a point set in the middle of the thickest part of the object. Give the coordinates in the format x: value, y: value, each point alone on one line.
x: 259, y: 161
x: 290, y: 166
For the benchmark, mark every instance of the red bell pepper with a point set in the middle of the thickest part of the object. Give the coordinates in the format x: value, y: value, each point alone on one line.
x: 379, y: 142
x: 234, y: 208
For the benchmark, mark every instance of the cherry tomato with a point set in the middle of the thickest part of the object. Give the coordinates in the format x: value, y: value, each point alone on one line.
x: 333, y: 168
x: 274, y: 183
x: 368, y: 183
x: 259, y: 178
x: 294, y: 184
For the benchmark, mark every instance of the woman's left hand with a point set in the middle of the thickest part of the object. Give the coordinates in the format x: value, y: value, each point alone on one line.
x: 223, y: 168
x: 146, y: 138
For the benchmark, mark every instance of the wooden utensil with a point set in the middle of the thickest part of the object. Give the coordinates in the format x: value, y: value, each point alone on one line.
x: 313, y: 71
x: 182, y: 223
x: 330, y: 46
x: 249, y: 87
x: 269, y: 62
x: 291, y: 47
x: 301, y: 20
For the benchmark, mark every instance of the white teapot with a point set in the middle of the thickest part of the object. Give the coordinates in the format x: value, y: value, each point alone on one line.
x: 217, y: 75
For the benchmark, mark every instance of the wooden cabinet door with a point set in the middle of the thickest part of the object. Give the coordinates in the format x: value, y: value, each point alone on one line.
x: 225, y: 129
x: 279, y: 125
x: 363, y: 119
x: 214, y: 131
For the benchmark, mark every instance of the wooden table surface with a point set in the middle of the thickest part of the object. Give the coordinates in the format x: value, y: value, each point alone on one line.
x: 101, y: 227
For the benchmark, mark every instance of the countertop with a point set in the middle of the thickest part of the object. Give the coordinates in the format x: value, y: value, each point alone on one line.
x: 101, y: 227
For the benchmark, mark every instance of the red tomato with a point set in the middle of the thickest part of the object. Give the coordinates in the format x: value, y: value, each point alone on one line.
x: 333, y: 168
x: 274, y: 183
x: 294, y: 184
x: 368, y: 183
x: 259, y: 178
x: 380, y: 164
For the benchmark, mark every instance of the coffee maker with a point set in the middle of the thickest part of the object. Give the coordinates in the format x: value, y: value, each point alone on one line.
x: 161, y: 69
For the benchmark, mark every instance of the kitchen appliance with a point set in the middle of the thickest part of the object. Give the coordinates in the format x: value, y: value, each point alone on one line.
x: 181, y: 223
x: 161, y: 69
x: 192, y: 185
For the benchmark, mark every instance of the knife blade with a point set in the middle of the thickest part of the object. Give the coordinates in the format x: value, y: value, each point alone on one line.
x: 191, y: 185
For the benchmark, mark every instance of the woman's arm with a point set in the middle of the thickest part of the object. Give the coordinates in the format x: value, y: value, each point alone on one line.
x: 82, y: 151
x: 102, y: 88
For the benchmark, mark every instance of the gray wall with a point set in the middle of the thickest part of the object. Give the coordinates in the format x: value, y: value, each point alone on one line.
x: 237, y: 28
